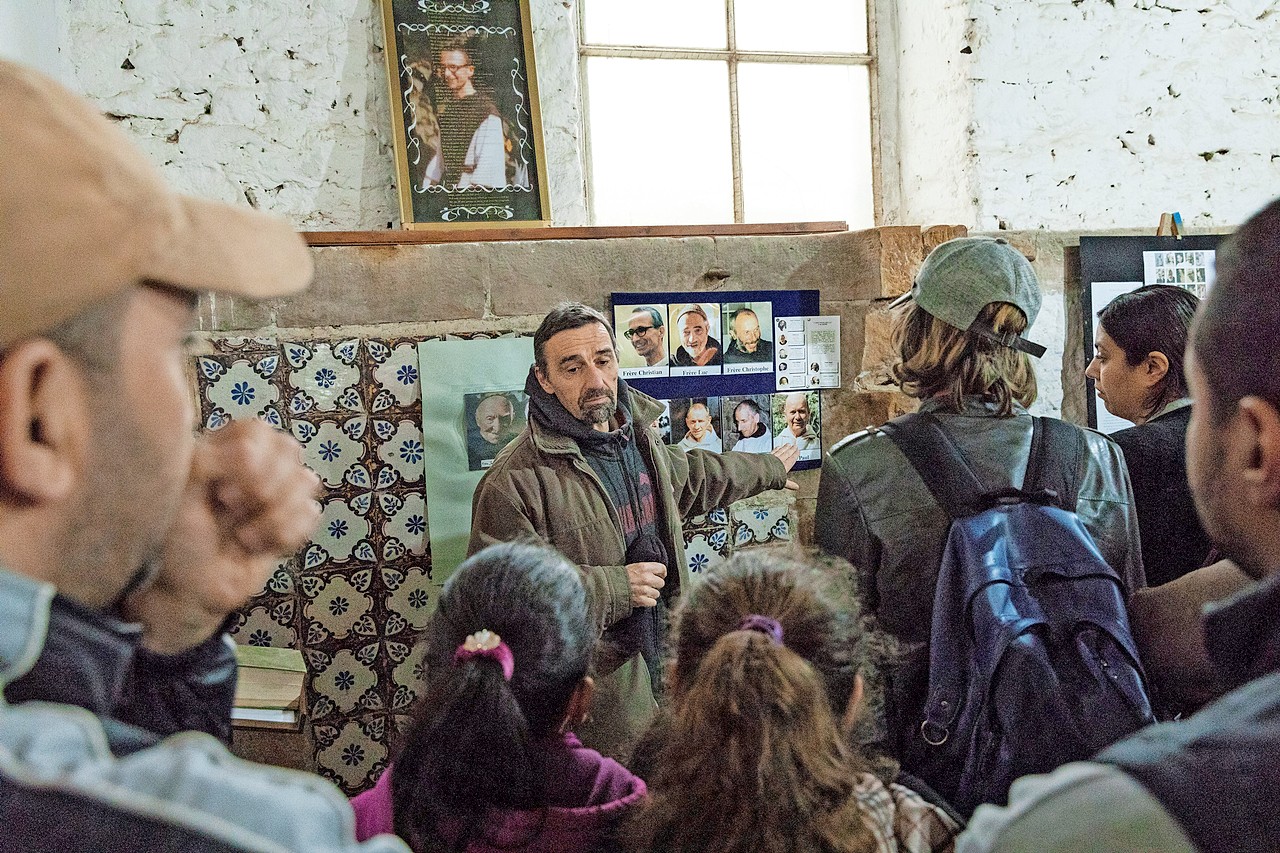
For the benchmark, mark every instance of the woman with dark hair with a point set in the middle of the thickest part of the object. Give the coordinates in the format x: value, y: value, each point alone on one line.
x: 755, y: 751
x: 488, y: 761
x: 1137, y: 371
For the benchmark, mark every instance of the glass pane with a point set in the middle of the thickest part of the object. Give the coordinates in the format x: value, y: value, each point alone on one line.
x: 656, y: 23
x: 816, y: 26
x: 806, y: 143
x: 659, y: 141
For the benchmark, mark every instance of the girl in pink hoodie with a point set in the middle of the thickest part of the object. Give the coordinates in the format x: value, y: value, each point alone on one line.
x: 488, y: 762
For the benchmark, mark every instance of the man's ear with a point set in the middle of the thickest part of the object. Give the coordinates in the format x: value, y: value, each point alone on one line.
x: 1260, y: 426
x: 542, y: 379
x: 44, y: 422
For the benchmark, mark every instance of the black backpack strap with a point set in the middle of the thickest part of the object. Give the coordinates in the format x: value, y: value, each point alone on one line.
x: 938, y: 461
x: 1058, y: 454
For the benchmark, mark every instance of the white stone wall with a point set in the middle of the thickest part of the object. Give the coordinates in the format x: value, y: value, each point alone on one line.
x: 284, y: 105
x: 1104, y: 113
x: 1045, y: 115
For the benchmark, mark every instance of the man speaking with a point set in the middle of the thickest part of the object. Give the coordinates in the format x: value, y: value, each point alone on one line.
x: 591, y: 478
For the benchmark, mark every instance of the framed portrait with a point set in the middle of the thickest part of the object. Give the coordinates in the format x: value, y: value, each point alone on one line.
x: 466, y: 128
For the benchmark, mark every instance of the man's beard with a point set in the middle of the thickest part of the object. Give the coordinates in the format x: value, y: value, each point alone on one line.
x: 597, y: 406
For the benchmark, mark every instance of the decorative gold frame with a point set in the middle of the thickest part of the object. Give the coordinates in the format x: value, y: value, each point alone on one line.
x: 507, y: 207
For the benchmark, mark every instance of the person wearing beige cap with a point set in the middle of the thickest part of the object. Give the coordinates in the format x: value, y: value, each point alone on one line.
x: 962, y: 350
x: 125, y: 540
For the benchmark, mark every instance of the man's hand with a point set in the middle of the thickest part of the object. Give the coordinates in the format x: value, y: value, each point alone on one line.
x: 249, y: 501
x: 645, y: 579
x: 789, y: 454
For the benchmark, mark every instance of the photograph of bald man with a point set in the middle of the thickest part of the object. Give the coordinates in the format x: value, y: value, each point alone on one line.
x: 747, y: 351
x: 644, y: 326
x: 495, y: 420
x: 700, y: 429
x: 795, y: 422
x: 697, y: 351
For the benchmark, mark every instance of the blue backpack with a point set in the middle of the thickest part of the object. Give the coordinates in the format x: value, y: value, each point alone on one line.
x: 1031, y: 660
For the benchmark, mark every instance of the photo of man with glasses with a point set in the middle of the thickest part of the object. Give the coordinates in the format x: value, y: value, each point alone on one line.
x: 643, y: 327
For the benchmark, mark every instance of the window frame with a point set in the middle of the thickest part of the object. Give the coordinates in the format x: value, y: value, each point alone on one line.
x: 733, y: 57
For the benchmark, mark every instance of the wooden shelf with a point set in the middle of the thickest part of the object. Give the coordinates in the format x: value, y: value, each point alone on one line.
x: 402, y: 237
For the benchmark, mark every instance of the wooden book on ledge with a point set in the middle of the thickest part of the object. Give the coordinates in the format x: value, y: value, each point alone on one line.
x: 269, y: 688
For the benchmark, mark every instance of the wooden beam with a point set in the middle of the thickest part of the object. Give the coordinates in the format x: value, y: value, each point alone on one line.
x: 395, y: 237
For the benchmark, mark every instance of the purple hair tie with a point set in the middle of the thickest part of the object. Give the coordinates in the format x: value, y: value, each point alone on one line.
x: 486, y: 644
x: 764, y: 624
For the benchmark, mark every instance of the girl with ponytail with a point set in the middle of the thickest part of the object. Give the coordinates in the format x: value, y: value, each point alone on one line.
x: 488, y: 762
x: 754, y: 751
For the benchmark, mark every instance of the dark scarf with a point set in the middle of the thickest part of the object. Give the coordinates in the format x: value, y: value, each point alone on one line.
x: 617, y: 461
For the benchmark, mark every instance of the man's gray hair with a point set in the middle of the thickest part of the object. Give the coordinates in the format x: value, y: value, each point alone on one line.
x: 562, y: 318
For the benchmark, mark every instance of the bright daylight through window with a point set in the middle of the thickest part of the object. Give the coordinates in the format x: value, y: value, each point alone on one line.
x: 714, y: 111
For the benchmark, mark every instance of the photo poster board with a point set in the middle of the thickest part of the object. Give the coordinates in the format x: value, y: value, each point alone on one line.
x: 1110, y: 266
x: 652, y: 359
x: 472, y: 406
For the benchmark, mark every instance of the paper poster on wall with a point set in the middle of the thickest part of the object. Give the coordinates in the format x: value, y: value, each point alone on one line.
x: 807, y: 353
x: 1192, y: 269
x: 472, y: 406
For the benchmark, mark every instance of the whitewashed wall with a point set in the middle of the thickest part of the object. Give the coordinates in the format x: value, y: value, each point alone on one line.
x: 1049, y: 116
x: 1103, y: 113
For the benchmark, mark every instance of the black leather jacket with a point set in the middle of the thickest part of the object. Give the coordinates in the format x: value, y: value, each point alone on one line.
x: 875, y: 511
x: 97, y: 662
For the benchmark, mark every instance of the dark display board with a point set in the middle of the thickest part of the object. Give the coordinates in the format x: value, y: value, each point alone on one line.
x: 1106, y: 262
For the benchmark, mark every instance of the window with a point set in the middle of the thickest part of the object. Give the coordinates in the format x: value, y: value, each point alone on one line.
x: 712, y: 111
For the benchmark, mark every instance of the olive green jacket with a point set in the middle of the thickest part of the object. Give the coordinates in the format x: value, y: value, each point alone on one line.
x: 541, y: 487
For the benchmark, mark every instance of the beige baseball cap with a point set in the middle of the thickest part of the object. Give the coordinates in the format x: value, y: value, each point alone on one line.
x: 84, y: 216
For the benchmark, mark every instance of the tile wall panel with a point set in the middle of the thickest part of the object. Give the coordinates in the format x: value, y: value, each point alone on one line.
x: 355, y: 598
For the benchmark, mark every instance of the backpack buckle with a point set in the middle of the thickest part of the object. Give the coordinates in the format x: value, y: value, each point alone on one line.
x: 933, y: 734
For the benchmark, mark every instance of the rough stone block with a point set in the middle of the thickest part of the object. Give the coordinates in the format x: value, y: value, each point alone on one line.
x: 935, y: 235
x: 901, y: 253
x: 878, y: 354
x: 849, y: 410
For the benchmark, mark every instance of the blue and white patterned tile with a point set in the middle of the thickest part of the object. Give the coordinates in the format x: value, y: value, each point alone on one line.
x: 338, y: 606
x: 718, y: 517
x: 344, y: 681
x: 702, y: 554
x: 267, y: 624
x: 411, y: 594
x: 396, y: 375
x: 342, y: 535
x: 323, y: 376
x: 331, y: 449
x: 758, y: 524
x: 400, y: 446
x: 405, y: 527
x: 238, y: 388
x: 351, y: 752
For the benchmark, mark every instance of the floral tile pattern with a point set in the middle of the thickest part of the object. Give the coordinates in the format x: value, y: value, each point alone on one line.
x: 357, y: 596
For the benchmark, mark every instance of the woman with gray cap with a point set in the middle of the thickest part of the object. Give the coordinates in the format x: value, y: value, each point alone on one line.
x: 962, y: 351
